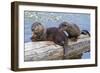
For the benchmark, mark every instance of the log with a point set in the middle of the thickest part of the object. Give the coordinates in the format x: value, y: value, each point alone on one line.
x: 45, y: 50
x: 48, y: 50
x: 76, y: 49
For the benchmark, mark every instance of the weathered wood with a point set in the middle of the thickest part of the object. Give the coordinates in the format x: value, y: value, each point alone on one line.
x: 46, y: 50
x: 76, y: 49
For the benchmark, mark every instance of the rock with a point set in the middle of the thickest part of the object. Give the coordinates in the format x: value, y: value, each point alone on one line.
x: 44, y: 50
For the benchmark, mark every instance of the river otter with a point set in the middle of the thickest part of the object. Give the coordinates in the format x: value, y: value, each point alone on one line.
x: 37, y: 32
x: 59, y: 37
x: 72, y: 29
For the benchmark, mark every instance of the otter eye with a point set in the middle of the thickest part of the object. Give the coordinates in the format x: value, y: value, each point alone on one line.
x: 64, y: 25
x: 32, y: 29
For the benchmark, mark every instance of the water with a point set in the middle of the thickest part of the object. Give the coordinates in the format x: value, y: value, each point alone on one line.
x: 86, y: 55
x: 53, y: 19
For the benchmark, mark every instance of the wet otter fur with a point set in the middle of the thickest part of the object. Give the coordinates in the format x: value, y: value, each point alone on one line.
x: 73, y: 30
x: 56, y: 35
x: 37, y: 32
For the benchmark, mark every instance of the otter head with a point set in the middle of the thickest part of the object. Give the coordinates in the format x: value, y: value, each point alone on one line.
x: 37, y: 31
x: 64, y: 26
x: 37, y: 28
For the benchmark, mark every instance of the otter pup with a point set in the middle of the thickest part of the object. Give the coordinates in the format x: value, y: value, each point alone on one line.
x: 72, y: 29
x: 57, y: 36
x: 37, y: 32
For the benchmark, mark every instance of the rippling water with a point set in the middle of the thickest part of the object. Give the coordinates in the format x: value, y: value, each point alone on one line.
x: 53, y: 19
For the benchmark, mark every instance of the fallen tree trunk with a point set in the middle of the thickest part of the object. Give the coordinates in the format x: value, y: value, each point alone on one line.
x: 76, y: 49
x: 46, y: 50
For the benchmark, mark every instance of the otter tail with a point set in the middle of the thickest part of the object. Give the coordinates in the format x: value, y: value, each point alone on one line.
x: 85, y: 32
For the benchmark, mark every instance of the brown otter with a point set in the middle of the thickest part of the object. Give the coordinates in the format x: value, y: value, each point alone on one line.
x: 59, y: 37
x: 37, y: 32
x: 56, y: 35
x: 72, y: 29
